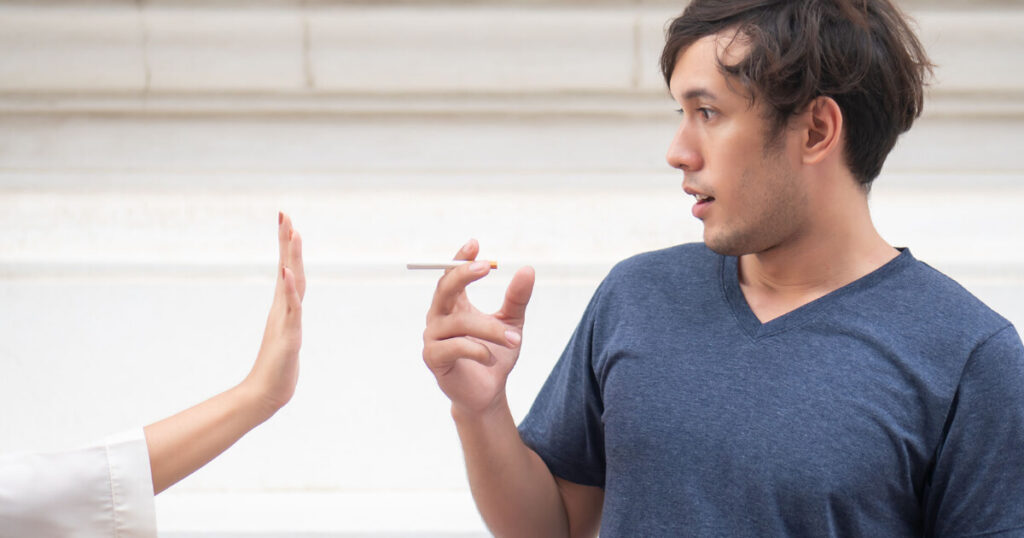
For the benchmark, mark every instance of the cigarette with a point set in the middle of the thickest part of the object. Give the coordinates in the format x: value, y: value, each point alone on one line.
x: 445, y: 265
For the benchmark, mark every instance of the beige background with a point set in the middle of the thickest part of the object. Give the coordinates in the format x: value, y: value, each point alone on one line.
x: 145, y: 148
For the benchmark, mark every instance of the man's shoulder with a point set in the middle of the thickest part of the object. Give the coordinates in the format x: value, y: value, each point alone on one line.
x: 687, y: 269
x: 921, y: 308
x: 685, y: 259
x: 947, y: 301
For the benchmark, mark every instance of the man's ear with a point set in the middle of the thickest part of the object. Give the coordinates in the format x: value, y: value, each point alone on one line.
x: 823, y: 129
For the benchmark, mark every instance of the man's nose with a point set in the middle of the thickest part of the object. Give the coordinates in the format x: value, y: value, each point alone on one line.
x: 684, y: 150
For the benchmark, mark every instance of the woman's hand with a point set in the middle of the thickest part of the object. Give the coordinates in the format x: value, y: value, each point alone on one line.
x: 276, y: 371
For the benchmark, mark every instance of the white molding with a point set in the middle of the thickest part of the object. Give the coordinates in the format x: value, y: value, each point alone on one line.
x: 647, y: 104
x: 411, y: 49
x: 328, y: 48
x: 223, y: 49
x: 94, y: 50
x: 228, y: 149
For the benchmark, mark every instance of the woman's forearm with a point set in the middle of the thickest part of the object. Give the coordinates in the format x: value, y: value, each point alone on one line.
x: 180, y: 444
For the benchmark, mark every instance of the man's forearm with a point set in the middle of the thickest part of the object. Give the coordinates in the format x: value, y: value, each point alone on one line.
x: 183, y: 443
x: 513, y: 488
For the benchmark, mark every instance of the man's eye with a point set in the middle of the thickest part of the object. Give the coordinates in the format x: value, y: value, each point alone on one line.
x: 707, y: 113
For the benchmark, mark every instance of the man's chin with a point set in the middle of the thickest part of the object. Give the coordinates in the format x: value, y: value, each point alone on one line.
x: 726, y: 246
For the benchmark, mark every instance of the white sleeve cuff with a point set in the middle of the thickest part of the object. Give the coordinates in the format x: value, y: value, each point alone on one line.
x: 97, y: 491
x: 131, y: 485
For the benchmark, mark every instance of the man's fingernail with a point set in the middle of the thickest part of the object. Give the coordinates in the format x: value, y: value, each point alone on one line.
x: 479, y: 267
x: 280, y: 218
x: 466, y: 246
x: 513, y: 337
x: 282, y: 272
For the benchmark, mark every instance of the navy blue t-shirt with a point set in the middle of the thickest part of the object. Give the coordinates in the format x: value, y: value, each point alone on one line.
x: 893, y: 406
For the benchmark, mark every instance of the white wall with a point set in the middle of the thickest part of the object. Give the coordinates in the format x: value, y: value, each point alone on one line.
x: 145, y: 148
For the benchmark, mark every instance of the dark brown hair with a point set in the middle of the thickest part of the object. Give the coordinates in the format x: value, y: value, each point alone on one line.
x: 861, y: 53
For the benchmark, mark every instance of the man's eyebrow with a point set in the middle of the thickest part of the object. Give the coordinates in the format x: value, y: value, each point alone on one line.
x: 698, y: 93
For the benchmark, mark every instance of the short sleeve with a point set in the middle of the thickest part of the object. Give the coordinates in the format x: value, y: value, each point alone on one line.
x: 103, y: 490
x: 564, y: 426
x: 977, y: 485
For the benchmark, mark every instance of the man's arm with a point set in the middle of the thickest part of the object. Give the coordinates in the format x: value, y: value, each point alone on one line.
x: 471, y: 355
x: 180, y: 444
x: 977, y: 478
x: 513, y: 488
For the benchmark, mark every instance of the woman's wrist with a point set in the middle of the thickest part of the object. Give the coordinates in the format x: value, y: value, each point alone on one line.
x: 253, y: 401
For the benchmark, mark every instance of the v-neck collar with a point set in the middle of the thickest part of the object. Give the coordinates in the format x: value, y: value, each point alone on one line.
x: 748, y: 321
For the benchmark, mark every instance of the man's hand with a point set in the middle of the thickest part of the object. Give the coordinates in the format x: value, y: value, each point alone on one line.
x: 469, y: 352
x: 471, y: 355
x: 276, y: 371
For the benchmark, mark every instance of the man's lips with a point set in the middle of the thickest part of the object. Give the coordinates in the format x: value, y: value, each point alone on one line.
x: 703, y: 204
x: 701, y: 208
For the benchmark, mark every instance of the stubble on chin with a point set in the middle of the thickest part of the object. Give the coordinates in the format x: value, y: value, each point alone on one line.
x: 726, y: 246
x: 771, y: 215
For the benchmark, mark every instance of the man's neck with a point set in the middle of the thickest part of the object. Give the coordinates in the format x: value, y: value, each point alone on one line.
x: 839, y: 249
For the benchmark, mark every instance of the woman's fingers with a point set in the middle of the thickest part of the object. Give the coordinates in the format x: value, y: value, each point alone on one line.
x: 284, y: 236
x: 289, y: 244
x: 296, y: 265
x: 293, y: 301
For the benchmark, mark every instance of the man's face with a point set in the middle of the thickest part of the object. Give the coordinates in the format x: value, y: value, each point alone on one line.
x: 748, y: 195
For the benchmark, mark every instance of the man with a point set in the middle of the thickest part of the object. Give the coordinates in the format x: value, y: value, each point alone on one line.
x: 793, y: 375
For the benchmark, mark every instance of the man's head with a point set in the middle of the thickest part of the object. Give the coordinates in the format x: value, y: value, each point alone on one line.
x: 860, y: 53
x: 789, y: 110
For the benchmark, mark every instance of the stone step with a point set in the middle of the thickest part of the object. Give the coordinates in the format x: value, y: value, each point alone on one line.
x: 216, y: 150
x: 283, y: 47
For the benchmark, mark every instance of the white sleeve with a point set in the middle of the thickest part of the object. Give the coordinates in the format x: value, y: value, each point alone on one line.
x: 104, y: 490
